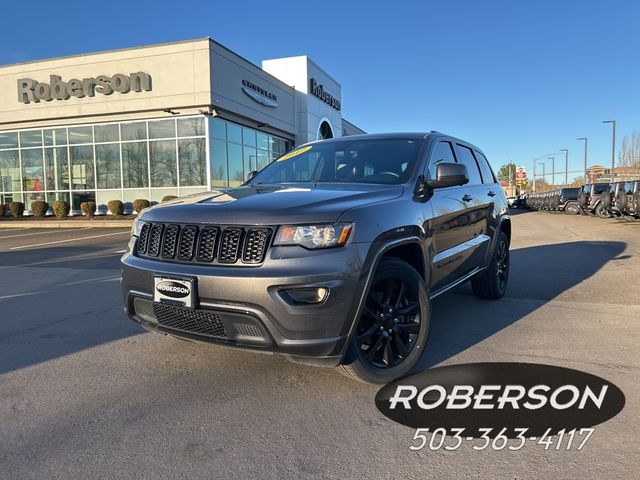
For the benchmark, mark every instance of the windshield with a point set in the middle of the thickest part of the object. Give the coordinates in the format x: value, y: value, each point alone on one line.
x: 385, y: 161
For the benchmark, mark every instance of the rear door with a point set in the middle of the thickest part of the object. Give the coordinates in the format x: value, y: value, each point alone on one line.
x: 480, y: 207
x: 450, y: 223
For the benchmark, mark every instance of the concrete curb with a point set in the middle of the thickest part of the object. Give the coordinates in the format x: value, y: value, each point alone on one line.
x: 67, y: 224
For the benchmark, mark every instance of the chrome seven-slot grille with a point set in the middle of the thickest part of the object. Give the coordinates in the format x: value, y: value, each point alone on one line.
x: 204, y: 243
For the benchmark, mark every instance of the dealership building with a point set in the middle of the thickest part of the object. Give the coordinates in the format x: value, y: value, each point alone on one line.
x: 169, y: 119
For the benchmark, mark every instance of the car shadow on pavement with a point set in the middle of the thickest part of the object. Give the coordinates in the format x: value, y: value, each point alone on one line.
x: 538, y: 274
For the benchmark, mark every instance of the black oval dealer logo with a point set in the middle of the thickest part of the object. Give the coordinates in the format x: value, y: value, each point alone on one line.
x: 541, y: 398
x: 172, y: 289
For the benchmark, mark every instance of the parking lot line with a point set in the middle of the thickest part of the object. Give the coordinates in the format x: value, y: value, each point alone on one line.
x: 20, y: 247
x: 45, y: 233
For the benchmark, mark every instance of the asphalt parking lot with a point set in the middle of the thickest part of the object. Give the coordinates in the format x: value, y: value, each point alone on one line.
x: 85, y: 393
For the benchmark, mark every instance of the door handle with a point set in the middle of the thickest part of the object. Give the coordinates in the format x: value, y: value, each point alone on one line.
x: 491, y: 193
x: 467, y: 198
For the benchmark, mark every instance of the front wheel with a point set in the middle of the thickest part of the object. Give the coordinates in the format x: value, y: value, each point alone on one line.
x: 492, y: 283
x: 391, y: 333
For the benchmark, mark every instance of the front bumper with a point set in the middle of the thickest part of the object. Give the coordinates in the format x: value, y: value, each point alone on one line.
x: 242, y: 307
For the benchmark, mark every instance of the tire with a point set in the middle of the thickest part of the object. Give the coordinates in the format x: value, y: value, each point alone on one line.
x: 399, y: 339
x: 572, y: 208
x: 601, y: 212
x: 492, y: 283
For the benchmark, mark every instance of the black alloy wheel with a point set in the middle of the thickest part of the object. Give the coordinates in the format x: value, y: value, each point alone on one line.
x: 502, y: 264
x: 390, y: 335
x: 390, y: 322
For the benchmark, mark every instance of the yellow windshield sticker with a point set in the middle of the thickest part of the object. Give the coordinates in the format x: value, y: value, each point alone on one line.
x: 294, y: 153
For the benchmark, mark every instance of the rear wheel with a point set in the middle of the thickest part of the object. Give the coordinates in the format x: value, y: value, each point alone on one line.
x: 492, y: 283
x: 572, y: 208
x: 391, y: 333
x: 601, y: 211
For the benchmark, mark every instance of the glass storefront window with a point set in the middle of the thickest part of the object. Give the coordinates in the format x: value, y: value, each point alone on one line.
x: 263, y: 141
x: 219, y: 163
x: 107, y: 133
x: 218, y: 129
x: 134, y: 131
x: 9, y: 171
x: 108, y: 166
x: 56, y: 168
x: 192, y: 156
x: 249, y: 137
x: 234, y: 160
x: 79, y: 135
x: 82, y: 174
x: 163, y: 163
x: 162, y: 129
x: 250, y: 158
x: 135, y: 165
x: 31, y: 138
x: 129, y: 160
x: 8, y: 140
x: 234, y: 133
x: 55, y: 136
x: 32, y: 170
x: 190, y: 127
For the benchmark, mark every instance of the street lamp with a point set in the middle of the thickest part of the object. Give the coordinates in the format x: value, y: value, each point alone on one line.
x: 553, y: 170
x: 613, y: 148
x: 566, y: 166
x: 585, y: 157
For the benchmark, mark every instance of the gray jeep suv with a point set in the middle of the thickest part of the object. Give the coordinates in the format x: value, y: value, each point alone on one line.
x: 331, y: 255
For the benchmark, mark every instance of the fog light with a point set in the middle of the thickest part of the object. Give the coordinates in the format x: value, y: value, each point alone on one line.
x: 304, y: 296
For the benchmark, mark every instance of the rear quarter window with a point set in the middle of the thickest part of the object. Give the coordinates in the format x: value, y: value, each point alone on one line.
x: 485, y: 169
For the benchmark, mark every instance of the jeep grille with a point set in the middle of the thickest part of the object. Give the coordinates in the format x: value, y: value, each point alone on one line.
x: 225, y: 245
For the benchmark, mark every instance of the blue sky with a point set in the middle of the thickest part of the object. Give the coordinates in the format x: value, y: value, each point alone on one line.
x: 519, y: 79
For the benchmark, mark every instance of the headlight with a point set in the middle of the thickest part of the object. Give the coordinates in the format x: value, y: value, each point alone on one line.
x: 314, y: 236
x: 137, y: 226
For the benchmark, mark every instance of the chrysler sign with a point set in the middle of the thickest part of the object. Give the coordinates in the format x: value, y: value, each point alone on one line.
x: 30, y: 90
x: 259, y: 94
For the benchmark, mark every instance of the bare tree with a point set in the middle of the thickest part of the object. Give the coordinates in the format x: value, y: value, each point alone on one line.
x: 629, y: 155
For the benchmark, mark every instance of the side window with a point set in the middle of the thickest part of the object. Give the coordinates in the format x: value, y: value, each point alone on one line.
x: 465, y: 156
x: 485, y: 169
x: 442, y: 153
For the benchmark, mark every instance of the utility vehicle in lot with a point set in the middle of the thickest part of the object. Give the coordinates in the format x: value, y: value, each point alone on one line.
x: 568, y: 200
x: 331, y: 255
x: 623, y: 199
x: 592, y: 198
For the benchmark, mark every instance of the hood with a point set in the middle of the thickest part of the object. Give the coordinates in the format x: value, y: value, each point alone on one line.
x: 272, y: 204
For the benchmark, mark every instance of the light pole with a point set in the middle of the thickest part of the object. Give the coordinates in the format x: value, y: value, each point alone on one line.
x: 566, y: 166
x: 585, y: 157
x: 613, y: 148
x: 553, y: 170
x: 542, y: 173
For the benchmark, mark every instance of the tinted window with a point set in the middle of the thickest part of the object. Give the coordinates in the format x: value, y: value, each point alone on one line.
x: 485, y: 169
x: 442, y: 153
x: 465, y: 156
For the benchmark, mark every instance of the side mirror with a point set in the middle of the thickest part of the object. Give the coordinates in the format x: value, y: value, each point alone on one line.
x: 449, y: 175
x: 250, y: 175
